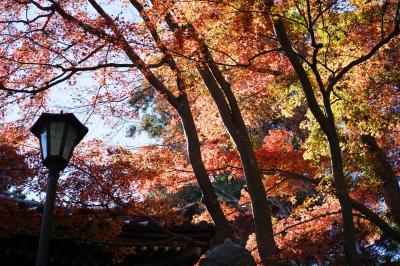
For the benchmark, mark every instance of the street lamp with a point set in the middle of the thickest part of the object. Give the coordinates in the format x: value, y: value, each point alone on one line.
x: 58, y: 135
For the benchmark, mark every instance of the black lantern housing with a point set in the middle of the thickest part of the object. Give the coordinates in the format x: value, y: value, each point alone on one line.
x: 58, y: 135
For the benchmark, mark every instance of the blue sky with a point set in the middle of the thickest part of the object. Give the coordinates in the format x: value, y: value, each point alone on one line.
x: 60, y: 100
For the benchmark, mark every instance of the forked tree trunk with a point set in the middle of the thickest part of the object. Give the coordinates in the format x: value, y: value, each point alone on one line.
x: 227, y: 106
x: 384, y: 171
x: 327, y: 123
x: 232, y: 119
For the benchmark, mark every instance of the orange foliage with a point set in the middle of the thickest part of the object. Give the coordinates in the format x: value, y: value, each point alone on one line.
x: 42, y: 50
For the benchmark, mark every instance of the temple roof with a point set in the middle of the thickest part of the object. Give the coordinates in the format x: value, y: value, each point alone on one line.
x: 148, y: 244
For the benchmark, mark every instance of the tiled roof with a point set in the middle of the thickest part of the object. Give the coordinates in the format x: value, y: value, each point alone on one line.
x: 149, y: 244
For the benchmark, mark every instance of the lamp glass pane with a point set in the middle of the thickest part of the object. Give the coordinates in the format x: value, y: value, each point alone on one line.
x: 56, y: 135
x: 69, y: 142
x: 43, y: 143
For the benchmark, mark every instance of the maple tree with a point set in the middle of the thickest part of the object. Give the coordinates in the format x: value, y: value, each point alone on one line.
x: 270, y: 92
x: 17, y: 166
x: 327, y: 120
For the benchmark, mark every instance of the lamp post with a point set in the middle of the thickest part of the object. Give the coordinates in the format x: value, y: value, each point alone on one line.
x: 58, y: 135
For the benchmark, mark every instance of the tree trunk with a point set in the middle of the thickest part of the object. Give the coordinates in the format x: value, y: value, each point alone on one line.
x: 384, y: 171
x: 233, y: 122
x: 327, y: 123
x: 344, y: 199
x: 210, y: 200
x: 261, y: 210
x: 229, y: 111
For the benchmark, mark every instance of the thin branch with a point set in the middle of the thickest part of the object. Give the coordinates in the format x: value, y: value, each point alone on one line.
x: 362, y: 59
x: 307, y: 221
